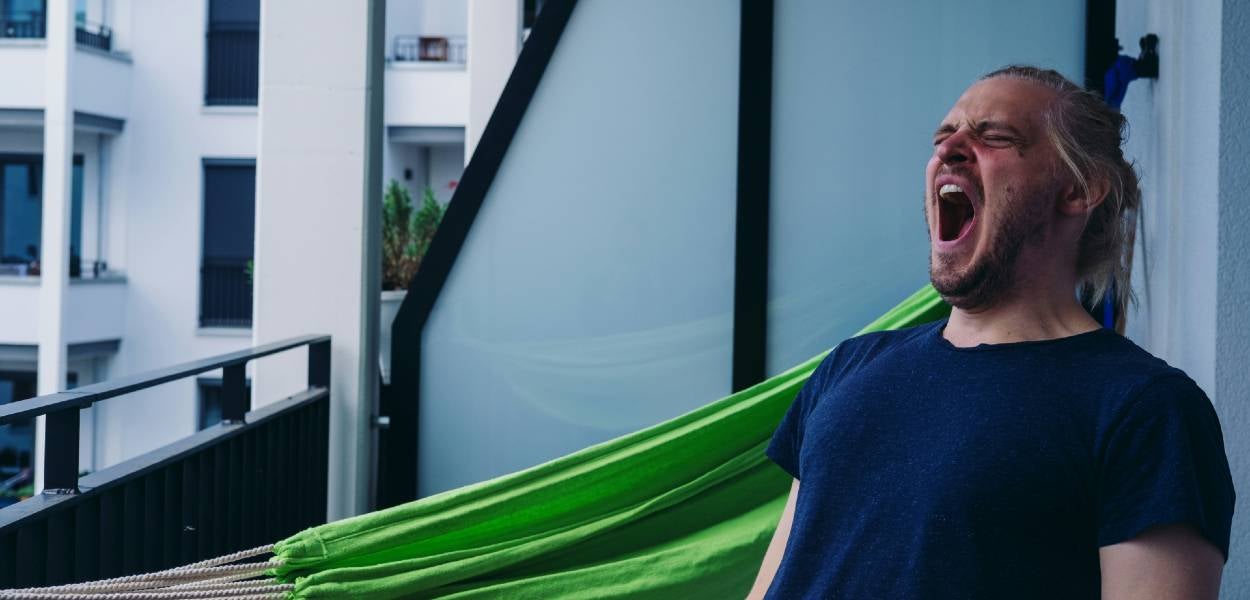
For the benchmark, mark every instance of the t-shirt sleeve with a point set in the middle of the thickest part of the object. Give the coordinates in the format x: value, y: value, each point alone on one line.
x: 788, y: 438
x: 1164, y: 463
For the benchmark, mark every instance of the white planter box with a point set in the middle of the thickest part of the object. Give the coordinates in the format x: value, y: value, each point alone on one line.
x: 390, y: 307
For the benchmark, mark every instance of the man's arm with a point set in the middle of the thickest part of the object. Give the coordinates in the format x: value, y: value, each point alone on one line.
x: 776, y: 548
x: 1170, y: 562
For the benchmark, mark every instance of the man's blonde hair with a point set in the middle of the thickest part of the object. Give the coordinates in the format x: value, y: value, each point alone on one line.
x: 1088, y: 134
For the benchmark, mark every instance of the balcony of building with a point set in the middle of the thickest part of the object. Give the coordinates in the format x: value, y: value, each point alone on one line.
x: 101, y: 79
x: 427, y: 71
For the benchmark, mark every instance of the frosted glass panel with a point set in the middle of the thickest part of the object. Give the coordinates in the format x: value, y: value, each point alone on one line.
x: 859, y: 88
x: 594, y: 293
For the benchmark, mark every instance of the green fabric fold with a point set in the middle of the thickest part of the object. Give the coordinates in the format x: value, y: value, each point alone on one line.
x: 682, y: 509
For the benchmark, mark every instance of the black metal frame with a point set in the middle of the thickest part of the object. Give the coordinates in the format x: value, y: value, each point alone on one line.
x: 401, y: 400
x: 1101, y: 47
x: 755, y: 110
x: 137, y: 515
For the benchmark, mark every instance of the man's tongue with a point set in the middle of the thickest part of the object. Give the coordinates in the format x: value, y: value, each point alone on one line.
x: 955, y: 216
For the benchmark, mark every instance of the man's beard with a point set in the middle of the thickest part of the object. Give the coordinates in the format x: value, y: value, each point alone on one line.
x: 993, y: 276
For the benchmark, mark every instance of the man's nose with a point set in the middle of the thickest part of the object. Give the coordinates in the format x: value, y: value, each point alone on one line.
x: 954, y: 149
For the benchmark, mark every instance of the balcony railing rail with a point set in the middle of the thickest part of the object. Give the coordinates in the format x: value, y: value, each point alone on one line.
x: 225, y: 294
x: 254, y: 478
x: 94, y: 35
x: 427, y: 48
x: 22, y: 24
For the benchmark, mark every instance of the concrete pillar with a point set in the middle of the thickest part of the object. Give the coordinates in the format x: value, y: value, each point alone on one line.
x: 58, y: 151
x: 494, y: 42
x: 318, y: 215
x: 1232, y: 335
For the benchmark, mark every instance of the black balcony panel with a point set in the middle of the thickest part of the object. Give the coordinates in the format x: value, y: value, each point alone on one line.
x: 225, y: 294
x: 233, y: 67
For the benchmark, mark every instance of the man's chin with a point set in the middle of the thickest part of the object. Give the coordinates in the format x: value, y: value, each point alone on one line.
x: 970, y: 288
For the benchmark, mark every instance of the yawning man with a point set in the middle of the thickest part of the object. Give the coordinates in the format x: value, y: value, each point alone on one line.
x: 1016, y: 449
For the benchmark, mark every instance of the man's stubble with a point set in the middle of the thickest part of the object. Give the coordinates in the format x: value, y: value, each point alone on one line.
x: 992, y: 277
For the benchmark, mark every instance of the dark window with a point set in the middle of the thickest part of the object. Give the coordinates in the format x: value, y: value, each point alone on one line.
x: 21, y: 214
x: 233, y: 52
x: 210, y: 400
x: 22, y: 18
x: 229, y: 229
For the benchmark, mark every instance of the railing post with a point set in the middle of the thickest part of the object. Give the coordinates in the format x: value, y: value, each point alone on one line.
x: 234, y: 403
x: 319, y: 364
x: 60, y: 459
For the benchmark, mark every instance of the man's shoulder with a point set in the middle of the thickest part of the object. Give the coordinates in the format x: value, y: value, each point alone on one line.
x: 867, y: 347
x: 1122, y: 360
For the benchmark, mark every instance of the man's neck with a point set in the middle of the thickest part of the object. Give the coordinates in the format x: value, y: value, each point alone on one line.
x: 1025, y: 315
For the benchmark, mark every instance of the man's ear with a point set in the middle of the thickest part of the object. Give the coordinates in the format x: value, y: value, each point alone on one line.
x: 1076, y: 202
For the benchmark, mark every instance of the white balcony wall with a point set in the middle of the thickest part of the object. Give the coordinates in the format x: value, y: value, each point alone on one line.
x: 426, y: 94
x: 102, y: 83
x: 95, y: 310
x: 102, y: 80
x: 22, y: 61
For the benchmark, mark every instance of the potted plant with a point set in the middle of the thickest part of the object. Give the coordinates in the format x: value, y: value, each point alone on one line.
x: 406, y: 235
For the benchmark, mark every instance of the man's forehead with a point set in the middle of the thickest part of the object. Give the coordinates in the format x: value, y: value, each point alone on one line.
x: 1008, y: 100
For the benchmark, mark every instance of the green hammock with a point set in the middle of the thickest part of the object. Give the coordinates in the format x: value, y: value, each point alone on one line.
x: 684, y: 509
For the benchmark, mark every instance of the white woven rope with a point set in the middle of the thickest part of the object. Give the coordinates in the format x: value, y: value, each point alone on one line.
x: 212, y: 578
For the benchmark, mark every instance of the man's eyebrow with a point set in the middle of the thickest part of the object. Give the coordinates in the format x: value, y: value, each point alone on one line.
x: 945, y: 128
x: 982, y: 126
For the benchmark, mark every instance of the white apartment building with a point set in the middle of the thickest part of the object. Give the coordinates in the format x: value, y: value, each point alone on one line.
x: 162, y: 196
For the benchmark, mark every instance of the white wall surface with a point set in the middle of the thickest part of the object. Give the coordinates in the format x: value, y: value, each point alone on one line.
x: 1192, y: 270
x: 317, y: 246
x: 438, y: 166
x: 1174, y: 140
x: 427, y: 94
x: 852, y: 124
x: 544, y: 339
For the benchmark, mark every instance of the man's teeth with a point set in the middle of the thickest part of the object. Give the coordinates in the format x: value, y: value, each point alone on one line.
x: 950, y: 188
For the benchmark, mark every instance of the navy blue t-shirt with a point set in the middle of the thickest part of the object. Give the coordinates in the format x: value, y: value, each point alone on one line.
x: 932, y: 471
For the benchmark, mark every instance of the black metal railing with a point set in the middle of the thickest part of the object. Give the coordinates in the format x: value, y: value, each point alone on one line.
x: 423, y: 48
x: 225, y: 294
x: 29, y: 24
x: 253, y: 479
x: 233, y: 69
x: 94, y: 35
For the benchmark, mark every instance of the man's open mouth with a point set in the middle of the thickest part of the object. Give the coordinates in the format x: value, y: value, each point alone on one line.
x: 955, y: 213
